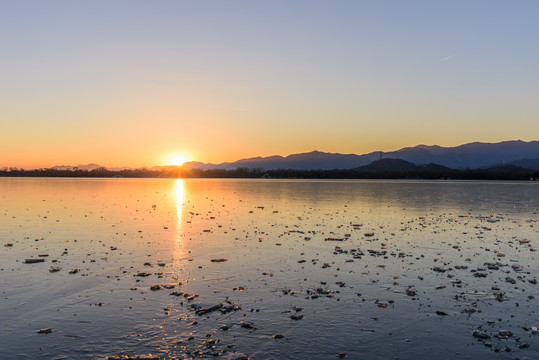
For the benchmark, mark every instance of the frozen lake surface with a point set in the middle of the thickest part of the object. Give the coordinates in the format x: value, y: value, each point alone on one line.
x: 301, y: 269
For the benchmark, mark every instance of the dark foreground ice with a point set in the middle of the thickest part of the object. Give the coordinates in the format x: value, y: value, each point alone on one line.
x: 268, y: 269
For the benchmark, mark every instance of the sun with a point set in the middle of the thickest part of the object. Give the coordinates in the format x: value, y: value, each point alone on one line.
x: 177, y: 160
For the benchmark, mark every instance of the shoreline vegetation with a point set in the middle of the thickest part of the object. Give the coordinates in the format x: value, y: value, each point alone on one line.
x: 509, y: 173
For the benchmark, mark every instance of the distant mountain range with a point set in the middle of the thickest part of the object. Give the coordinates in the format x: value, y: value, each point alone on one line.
x: 468, y: 156
x: 88, y: 167
x: 477, y: 155
x: 399, y: 165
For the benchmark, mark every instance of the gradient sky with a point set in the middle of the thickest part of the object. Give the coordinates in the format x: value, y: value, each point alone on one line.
x: 133, y: 83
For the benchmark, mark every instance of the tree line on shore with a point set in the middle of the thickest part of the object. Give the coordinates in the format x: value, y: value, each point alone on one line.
x: 513, y: 173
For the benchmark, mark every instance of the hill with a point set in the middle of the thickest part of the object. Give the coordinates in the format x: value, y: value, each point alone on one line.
x: 468, y: 156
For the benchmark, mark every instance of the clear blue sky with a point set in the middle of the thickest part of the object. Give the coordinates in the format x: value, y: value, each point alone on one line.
x: 138, y: 82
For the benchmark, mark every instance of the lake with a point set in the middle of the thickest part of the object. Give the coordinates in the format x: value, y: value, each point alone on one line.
x: 268, y: 269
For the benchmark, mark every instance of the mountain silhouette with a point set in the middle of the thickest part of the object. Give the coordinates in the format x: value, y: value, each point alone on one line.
x: 467, y: 156
x: 474, y: 155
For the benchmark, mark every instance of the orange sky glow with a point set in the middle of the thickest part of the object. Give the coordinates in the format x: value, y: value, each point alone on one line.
x: 155, y: 84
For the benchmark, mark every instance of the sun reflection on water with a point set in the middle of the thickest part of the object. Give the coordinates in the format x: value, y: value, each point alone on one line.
x: 179, y: 194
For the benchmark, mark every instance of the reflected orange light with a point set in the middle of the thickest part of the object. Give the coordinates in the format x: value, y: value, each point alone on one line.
x: 180, y: 252
x: 179, y: 190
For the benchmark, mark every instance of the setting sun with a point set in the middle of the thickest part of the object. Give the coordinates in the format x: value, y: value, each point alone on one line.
x: 177, y: 160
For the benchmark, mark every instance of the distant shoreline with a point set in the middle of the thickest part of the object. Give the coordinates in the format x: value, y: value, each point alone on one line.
x: 245, y: 173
